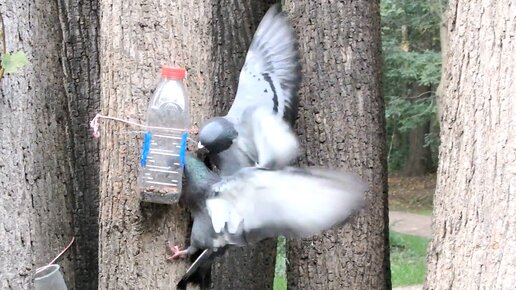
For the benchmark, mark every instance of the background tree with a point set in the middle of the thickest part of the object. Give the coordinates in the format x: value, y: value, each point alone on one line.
x: 412, y: 63
x: 36, y: 201
x: 341, y: 123
x: 234, y: 24
x: 210, y: 39
x: 474, y: 209
x: 80, y: 63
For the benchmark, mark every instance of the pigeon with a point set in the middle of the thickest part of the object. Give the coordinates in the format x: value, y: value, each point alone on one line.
x: 257, y: 203
x: 257, y: 130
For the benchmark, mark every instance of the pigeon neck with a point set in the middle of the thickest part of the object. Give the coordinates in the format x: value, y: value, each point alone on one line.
x: 196, y: 170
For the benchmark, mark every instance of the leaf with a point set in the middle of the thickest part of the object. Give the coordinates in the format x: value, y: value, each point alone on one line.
x: 11, y: 62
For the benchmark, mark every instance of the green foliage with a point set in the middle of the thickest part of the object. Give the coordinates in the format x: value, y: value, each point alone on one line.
x: 412, y: 62
x: 13, y: 61
x: 423, y: 68
x: 408, y: 114
x: 422, y: 18
x: 408, y: 259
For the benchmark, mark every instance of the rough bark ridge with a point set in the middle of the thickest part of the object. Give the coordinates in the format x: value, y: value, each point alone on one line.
x: 475, y: 203
x: 234, y: 24
x: 210, y: 39
x: 79, y: 26
x: 35, y: 180
x: 136, y: 39
x: 341, y: 124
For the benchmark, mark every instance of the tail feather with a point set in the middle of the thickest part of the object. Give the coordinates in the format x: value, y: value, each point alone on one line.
x: 199, y: 272
x: 201, y: 277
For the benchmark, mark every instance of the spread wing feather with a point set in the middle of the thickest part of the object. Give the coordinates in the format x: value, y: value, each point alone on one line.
x: 271, y: 74
x: 291, y: 202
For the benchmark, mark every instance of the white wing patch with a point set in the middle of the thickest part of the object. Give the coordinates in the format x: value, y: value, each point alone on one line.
x: 275, y: 142
x: 220, y: 212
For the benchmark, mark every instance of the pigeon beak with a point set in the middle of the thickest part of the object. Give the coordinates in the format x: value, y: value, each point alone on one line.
x: 199, y: 145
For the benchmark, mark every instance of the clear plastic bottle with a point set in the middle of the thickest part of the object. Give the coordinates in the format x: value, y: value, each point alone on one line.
x: 164, y: 144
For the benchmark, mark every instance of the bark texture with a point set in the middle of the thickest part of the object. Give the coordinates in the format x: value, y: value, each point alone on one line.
x: 79, y: 25
x: 210, y: 39
x: 234, y: 24
x: 474, y: 245
x: 136, y: 39
x: 35, y: 177
x: 341, y: 124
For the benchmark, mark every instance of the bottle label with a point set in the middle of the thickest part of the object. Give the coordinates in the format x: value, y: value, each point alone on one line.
x: 182, y: 150
x: 147, y: 137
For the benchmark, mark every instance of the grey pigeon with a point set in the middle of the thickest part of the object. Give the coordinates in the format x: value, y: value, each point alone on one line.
x: 255, y: 203
x: 258, y: 127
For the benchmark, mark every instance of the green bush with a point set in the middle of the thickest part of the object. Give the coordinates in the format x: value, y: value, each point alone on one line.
x: 412, y: 57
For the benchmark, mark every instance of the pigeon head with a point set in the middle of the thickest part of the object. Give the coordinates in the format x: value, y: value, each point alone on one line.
x: 217, y: 135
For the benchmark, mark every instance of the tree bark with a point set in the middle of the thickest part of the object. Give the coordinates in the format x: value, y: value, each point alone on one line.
x: 136, y: 39
x: 443, y: 41
x: 342, y: 124
x: 475, y: 203
x: 234, y: 24
x: 418, y: 157
x: 210, y: 39
x: 79, y: 25
x: 36, y: 201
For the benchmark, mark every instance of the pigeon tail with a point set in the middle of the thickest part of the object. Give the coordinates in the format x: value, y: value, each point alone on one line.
x: 199, y: 272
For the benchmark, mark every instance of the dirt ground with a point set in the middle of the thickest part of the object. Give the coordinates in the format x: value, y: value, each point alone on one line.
x: 410, y: 223
x: 412, y: 194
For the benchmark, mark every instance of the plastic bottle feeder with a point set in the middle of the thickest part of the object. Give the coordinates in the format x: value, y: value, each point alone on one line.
x: 164, y: 144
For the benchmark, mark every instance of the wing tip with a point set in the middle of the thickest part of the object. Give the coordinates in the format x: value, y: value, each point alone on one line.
x: 275, y: 50
x: 293, y: 79
x: 274, y: 10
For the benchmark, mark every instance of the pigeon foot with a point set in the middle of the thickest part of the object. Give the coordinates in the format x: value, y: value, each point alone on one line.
x: 176, y: 252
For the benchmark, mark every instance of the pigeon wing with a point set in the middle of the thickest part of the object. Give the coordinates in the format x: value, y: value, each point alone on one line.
x: 271, y: 74
x: 272, y: 139
x: 290, y: 202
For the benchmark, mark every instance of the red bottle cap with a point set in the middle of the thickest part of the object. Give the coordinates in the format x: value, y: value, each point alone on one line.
x: 176, y: 73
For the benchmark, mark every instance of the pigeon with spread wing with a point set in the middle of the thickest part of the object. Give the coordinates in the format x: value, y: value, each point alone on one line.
x: 255, y: 203
x: 258, y: 127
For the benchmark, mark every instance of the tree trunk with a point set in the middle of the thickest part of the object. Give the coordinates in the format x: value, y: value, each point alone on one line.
x: 342, y: 124
x: 136, y: 39
x: 419, y: 157
x: 475, y: 203
x: 35, y: 177
x: 210, y: 39
x: 79, y: 26
x: 234, y: 23
x: 443, y: 41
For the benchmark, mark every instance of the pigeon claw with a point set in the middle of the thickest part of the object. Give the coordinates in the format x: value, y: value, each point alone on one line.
x: 176, y: 253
